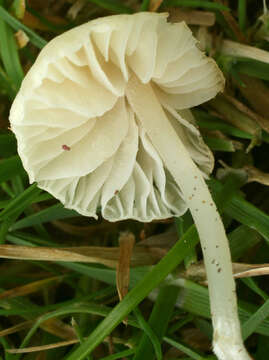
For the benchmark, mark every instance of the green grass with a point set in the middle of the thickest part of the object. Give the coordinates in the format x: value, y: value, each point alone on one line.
x: 161, y: 307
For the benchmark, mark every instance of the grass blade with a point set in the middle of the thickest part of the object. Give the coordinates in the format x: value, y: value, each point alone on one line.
x: 151, y: 336
x: 17, y: 25
x: 158, y: 321
x: 145, y: 5
x: 9, y: 54
x: 52, y: 213
x: 252, y: 323
x: 17, y: 205
x: 185, y: 349
x: 243, y: 211
x: 119, y: 355
x: 137, y: 294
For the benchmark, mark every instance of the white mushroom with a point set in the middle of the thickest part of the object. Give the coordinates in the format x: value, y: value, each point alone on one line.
x: 102, y: 122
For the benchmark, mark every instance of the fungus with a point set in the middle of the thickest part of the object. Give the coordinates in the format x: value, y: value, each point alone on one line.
x: 117, y: 90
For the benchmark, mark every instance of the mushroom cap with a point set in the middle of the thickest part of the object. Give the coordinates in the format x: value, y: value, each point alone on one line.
x: 78, y: 137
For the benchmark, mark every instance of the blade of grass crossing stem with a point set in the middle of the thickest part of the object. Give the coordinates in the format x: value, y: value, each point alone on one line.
x: 196, y: 3
x: 17, y: 25
x: 112, y: 5
x: 18, y: 204
x: 158, y: 321
x: 138, y: 293
x: 10, y: 167
x: 185, y: 349
x: 152, y: 337
x: 257, y: 318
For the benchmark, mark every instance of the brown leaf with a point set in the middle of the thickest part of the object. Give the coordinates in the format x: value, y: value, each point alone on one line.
x: 126, y: 242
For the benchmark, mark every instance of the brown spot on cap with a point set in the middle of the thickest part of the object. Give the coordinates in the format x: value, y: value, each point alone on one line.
x: 66, y: 147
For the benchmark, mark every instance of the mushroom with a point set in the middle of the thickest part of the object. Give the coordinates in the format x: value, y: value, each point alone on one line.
x: 102, y: 123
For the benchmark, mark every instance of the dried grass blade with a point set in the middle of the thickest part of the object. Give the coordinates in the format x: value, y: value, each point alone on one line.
x: 42, y: 347
x: 126, y: 242
x: 240, y: 270
x: 87, y: 254
x: 29, y: 288
x: 13, y: 329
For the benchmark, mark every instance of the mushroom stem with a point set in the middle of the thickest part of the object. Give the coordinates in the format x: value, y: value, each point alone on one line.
x: 227, y: 342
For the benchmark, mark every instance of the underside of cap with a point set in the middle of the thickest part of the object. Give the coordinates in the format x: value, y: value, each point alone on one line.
x: 79, y: 138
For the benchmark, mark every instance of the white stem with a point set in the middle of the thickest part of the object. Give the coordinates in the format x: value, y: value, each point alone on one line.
x: 227, y: 343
